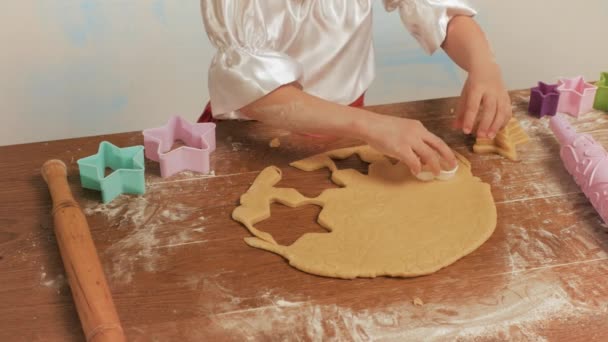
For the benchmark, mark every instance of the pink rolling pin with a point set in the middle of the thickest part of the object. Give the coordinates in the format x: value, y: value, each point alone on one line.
x: 586, y: 160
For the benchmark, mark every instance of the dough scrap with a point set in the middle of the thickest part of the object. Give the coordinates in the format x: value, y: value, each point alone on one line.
x: 505, y: 143
x: 386, y: 223
x: 274, y: 143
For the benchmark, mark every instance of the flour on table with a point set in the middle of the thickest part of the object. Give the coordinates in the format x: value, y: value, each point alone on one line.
x: 237, y: 146
x: 57, y: 282
x: 526, y: 251
x: 184, y: 176
x: 520, y: 311
x: 153, y: 226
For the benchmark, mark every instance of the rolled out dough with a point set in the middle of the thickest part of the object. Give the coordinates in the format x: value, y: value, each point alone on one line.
x: 384, y: 223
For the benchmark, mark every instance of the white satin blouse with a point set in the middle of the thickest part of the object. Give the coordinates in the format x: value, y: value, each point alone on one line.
x: 324, y: 45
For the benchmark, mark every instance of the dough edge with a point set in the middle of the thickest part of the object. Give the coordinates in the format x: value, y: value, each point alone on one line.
x: 265, y: 241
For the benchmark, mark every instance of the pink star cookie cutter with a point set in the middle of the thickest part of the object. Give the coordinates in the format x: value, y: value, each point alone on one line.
x: 576, y: 96
x: 199, y: 140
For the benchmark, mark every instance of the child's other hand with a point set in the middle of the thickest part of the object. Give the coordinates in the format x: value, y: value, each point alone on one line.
x: 484, y: 100
x: 409, y: 141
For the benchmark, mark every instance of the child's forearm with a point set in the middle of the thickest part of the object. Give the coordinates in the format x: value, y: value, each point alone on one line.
x: 407, y: 140
x: 290, y: 108
x: 484, y: 102
x: 466, y: 44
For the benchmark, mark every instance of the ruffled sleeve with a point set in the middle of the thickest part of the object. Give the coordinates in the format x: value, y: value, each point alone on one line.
x: 246, y: 65
x: 427, y: 20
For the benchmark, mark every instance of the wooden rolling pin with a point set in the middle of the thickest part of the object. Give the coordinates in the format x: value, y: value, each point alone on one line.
x: 85, y: 275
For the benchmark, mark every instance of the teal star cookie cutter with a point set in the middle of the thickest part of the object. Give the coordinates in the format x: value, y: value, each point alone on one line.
x: 127, y: 175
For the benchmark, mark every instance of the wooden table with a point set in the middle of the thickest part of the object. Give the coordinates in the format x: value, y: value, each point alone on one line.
x: 180, y: 271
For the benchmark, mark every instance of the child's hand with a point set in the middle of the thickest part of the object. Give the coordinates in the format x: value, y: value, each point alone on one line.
x: 484, y: 100
x: 409, y: 141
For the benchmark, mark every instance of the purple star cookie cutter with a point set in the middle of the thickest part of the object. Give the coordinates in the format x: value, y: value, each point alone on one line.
x: 576, y: 96
x: 199, y: 143
x: 544, y: 99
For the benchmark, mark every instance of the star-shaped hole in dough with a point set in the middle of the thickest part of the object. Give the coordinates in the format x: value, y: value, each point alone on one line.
x: 286, y: 224
x: 353, y: 162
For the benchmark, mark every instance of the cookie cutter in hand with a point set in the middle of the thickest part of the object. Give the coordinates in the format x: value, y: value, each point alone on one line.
x: 127, y: 176
x: 428, y: 176
x: 199, y: 140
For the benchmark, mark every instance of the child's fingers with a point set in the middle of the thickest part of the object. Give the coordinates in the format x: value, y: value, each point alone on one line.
x: 429, y: 157
x: 471, y: 108
x: 411, y: 160
x: 459, y: 112
x: 440, y: 146
x: 487, y: 116
x: 503, y: 115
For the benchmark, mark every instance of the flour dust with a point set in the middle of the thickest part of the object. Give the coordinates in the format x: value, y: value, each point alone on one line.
x: 153, y: 227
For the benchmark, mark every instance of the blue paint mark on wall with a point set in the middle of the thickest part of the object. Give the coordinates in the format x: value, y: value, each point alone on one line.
x: 82, y: 22
x: 82, y: 94
x: 92, y: 22
x: 447, y: 71
x: 159, y: 10
x: 402, y: 50
x: 117, y: 103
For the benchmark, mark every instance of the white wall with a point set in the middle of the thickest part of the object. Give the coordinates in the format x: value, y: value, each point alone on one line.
x: 534, y: 40
x: 82, y: 67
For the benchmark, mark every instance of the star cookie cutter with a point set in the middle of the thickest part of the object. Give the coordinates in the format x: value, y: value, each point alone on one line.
x: 199, y: 140
x: 576, y: 96
x: 127, y: 176
x: 544, y: 99
x: 601, y: 97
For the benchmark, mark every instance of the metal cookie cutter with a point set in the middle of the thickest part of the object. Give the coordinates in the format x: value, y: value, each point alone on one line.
x: 427, y: 176
x: 199, y: 140
x: 127, y: 175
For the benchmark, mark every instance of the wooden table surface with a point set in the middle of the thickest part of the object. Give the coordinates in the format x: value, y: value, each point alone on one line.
x: 179, y: 270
